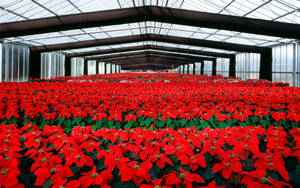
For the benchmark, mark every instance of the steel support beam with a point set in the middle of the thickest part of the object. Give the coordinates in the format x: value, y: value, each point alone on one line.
x: 150, y: 37
x: 150, y: 13
x: 147, y: 66
x: 108, y: 58
x: 111, y: 56
x: 148, y: 58
x: 150, y: 47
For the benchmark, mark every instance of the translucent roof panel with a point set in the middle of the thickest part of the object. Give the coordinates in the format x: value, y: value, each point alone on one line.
x: 276, y: 10
x: 150, y: 43
x: 147, y: 28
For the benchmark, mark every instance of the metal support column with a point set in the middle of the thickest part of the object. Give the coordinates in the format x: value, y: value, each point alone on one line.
x: 265, y: 71
x: 194, y: 68
x: 232, y: 65
x: 85, y: 67
x: 97, y: 67
x: 35, y: 64
x: 214, y: 67
x: 202, y: 68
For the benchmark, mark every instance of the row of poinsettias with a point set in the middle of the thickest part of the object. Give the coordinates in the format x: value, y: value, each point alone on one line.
x: 238, y: 156
x: 189, y: 97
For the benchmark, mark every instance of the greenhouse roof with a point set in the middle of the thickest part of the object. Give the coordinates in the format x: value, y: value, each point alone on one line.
x: 287, y: 11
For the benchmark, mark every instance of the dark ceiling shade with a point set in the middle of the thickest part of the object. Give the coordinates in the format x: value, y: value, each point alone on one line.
x: 148, y: 47
x: 150, y: 37
x: 147, y: 67
x: 150, y: 59
x: 150, y: 13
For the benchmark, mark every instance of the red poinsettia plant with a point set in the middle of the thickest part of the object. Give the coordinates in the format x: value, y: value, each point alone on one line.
x: 241, y: 156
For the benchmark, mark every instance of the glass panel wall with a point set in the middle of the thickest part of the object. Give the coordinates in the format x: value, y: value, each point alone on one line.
x: 296, y: 75
x: 117, y: 68
x: 286, y: 64
x: 101, y: 69
x: 191, y: 67
x: 77, y: 66
x: 223, y: 67
x: 14, y: 62
x: 113, y: 68
x: 92, y: 67
x: 108, y: 71
x: 52, y: 65
x: 198, y: 68
x: 207, y: 68
x: 247, y: 65
x: 185, y: 69
x: 1, y: 61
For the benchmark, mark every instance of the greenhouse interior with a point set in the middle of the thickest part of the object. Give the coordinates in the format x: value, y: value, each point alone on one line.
x: 149, y: 93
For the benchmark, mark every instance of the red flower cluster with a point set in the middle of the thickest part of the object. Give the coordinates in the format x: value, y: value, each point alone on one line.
x: 251, y: 156
x: 161, y: 97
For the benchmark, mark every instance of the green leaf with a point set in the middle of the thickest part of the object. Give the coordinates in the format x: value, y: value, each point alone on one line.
x: 273, y: 174
x: 174, y: 159
x: 222, y: 125
x: 208, y: 174
x: 295, y: 179
x: 212, y: 122
x: 298, y: 170
x: 235, y: 180
x: 203, y: 124
x: 247, y: 166
x: 193, y: 123
x: 68, y: 130
x: 13, y: 121
x: 185, y: 167
x: 68, y: 123
x: 148, y: 121
x: 51, y: 146
x: 154, y: 172
x: 129, y: 124
x: 265, y: 123
x: 82, y: 124
x: 183, y: 122
x: 161, y: 124
x: 118, y: 124
x: 47, y: 183
x: 100, y: 165
x: 123, y: 185
x: 110, y: 123
x: 26, y: 120
x: 243, y: 124
x: 75, y: 169
x: 94, y: 127
x: 176, y: 122
x: 254, y: 120
x: 99, y: 124
x: 168, y: 121
x: 4, y: 121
